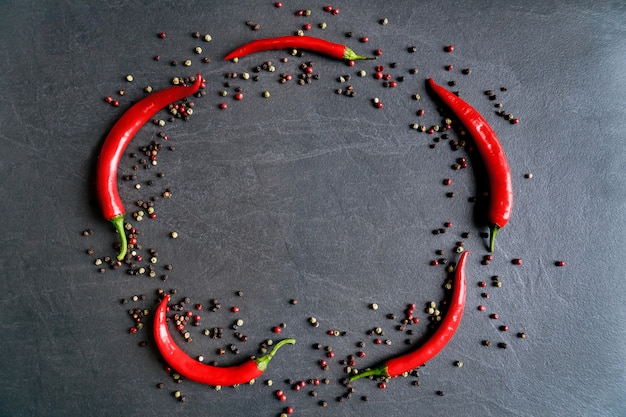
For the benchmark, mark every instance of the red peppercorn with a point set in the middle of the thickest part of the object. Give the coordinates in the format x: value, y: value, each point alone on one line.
x: 328, y: 8
x: 482, y: 308
x: 132, y: 330
x: 278, y: 4
x: 378, y: 75
x: 449, y: 48
x: 335, y: 11
x: 108, y: 99
x: 447, y: 181
x: 382, y: 385
x: 235, y: 309
x: 351, y: 63
x: 323, y: 363
x: 282, y: 398
x: 223, y: 106
x: 378, y: 52
x: 162, y: 35
x: 504, y: 328
x: 307, y: 26
x: 365, y: 39
x: 494, y: 316
x: 379, y: 105
x: 434, y: 262
x: 516, y: 261
x: 559, y: 263
x: 420, y: 112
x: 330, y: 354
x: 276, y: 329
x: 115, y: 103
x: 482, y: 284
x: 239, y: 96
x: 289, y: 410
x: 449, y: 67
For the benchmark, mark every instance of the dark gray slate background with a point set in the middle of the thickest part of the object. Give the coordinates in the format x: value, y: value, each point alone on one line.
x: 319, y: 197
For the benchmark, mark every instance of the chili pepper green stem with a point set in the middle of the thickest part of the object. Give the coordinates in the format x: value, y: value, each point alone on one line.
x: 263, y: 361
x: 492, y: 236
x: 378, y: 371
x: 118, y: 222
x: 350, y: 55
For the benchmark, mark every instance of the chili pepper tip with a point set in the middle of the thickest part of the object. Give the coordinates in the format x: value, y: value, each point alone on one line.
x: 118, y: 222
x: 492, y: 236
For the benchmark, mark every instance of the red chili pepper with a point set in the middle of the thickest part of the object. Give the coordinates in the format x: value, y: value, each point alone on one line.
x: 404, y: 363
x: 490, y: 149
x: 196, y: 371
x: 334, y: 50
x: 116, y: 142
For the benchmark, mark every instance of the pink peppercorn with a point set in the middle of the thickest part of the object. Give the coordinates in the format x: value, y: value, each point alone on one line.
x: 365, y: 39
x: 278, y: 4
x: 449, y: 48
x: 223, y: 106
x: 494, y: 316
x: 162, y: 35
x: 559, y: 263
x: 276, y: 329
x: 516, y: 261
x: 482, y: 308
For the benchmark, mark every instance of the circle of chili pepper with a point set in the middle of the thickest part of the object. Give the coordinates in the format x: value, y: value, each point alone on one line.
x: 444, y: 333
x: 197, y: 371
x: 493, y: 157
x: 334, y: 50
x: 117, y: 140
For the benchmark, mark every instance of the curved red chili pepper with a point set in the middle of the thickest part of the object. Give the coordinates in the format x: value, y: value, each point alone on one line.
x: 490, y: 149
x: 445, y: 331
x: 334, y: 50
x: 116, y: 142
x: 196, y: 371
